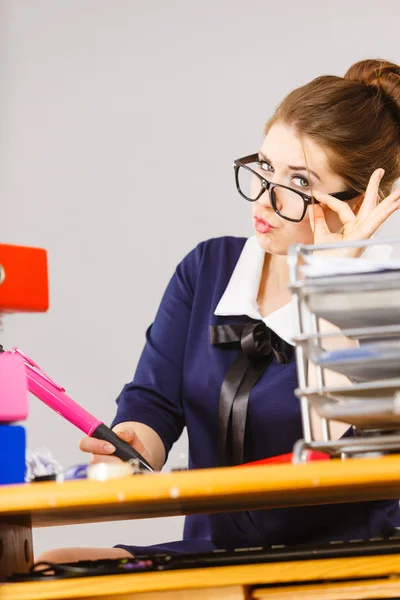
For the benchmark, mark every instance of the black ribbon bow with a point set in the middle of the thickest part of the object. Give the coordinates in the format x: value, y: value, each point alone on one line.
x: 258, y: 347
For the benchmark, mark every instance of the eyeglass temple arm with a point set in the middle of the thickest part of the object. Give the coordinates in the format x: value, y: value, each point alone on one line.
x: 248, y: 159
x: 344, y: 196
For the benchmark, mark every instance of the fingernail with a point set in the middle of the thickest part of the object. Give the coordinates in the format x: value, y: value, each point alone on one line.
x: 382, y: 173
x: 108, y: 448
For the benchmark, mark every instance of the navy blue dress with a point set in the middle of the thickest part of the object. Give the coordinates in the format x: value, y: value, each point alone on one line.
x: 178, y: 382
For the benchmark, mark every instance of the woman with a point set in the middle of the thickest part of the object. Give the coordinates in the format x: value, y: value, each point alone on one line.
x: 336, y: 140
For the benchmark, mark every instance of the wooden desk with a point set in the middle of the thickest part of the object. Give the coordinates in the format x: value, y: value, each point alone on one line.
x: 330, y: 579
x: 209, y: 490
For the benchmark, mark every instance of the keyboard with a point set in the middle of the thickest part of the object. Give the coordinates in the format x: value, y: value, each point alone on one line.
x: 217, y: 558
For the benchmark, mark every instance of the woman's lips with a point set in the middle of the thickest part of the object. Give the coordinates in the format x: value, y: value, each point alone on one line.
x: 261, y: 225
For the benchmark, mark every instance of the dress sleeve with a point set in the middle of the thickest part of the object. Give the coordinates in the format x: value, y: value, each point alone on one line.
x: 154, y: 395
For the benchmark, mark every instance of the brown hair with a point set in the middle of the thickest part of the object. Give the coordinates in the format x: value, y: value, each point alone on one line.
x: 355, y: 118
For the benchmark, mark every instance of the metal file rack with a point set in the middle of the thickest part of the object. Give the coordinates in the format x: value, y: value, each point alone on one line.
x: 364, y: 307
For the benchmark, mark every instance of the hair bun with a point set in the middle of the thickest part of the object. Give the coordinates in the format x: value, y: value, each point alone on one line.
x: 382, y: 75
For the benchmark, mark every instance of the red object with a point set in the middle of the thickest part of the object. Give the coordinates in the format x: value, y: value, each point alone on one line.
x: 311, y: 455
x: 23, y: 279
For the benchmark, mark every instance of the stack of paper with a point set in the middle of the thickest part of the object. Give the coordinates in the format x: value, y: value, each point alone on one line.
x: 328, y: 267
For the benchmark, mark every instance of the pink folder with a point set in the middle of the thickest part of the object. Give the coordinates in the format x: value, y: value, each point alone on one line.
x: 13, y: 388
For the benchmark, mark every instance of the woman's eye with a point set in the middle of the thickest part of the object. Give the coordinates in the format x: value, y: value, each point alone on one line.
x: 264, y: 166
x: 303, y: 182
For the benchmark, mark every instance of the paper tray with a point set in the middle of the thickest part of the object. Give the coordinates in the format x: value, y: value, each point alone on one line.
x: 370, y: 414
x: 352, y: 300
x: 371, y: 405
x: 372, y: 390
x: 384, y: 280
x: 372, y: 361
x: 357, y: 309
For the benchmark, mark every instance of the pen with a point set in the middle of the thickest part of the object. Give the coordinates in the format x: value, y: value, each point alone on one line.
x: 52, y: 394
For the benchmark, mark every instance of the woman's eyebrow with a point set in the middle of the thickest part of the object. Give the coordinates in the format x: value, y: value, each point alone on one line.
x: 291, y: 167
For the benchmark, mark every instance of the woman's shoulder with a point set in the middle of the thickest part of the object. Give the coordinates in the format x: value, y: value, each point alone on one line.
x: 226, y: 242
x: 224, y: 248
x: 211, y: 259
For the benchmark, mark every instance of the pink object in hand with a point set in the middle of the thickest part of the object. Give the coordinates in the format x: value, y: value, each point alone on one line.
x: 13, y: 388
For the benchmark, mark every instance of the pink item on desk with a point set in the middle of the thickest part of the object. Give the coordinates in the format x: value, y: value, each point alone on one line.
x: 53, y: 394
x: 13, y: 388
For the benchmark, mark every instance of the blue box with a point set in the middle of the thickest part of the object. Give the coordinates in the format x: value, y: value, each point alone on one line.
x: 12, y: 455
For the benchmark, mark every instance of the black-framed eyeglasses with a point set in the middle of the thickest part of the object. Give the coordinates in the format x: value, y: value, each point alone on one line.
x: 288, y: 203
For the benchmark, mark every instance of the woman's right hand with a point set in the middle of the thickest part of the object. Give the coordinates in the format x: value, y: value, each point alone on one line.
x: 103, y: 451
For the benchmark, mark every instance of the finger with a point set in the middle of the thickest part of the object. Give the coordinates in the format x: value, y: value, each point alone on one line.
x: 379, y: 216
x: 392, y: 199
x: 371, y: 197
x: 129, y: 435
x: 342, y: 209
x: 318, y: 223
x: 125, y: 432
x: 95, y: 446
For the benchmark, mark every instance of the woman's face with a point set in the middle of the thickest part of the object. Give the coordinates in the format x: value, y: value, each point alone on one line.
x: 280, y: 151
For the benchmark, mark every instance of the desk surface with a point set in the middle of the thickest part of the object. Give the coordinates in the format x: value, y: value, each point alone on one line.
x: 207, y: 490
x: 123, y: 587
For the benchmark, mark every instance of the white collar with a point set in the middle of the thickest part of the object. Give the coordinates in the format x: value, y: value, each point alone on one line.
x: 240, y: 296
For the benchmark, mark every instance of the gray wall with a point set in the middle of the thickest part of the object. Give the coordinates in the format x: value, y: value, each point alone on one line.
x: 119, y: 122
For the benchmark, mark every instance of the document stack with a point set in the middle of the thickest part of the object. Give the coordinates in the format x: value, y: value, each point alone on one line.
x: 23, y: 288
x: 347, y: 312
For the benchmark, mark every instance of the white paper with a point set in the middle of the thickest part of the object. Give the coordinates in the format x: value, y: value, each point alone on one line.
x: 317, y: 266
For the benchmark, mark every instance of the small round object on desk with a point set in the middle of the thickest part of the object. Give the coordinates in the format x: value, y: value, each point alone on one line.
x: 104, y: 471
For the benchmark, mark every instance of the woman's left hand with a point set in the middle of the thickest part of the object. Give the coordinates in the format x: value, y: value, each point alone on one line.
x: 356, y: 226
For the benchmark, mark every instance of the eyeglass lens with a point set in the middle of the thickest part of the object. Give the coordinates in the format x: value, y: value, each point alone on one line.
x: 287, y: 202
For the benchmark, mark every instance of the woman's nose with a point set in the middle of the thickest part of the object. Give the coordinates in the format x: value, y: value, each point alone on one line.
x: 265, y: 199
